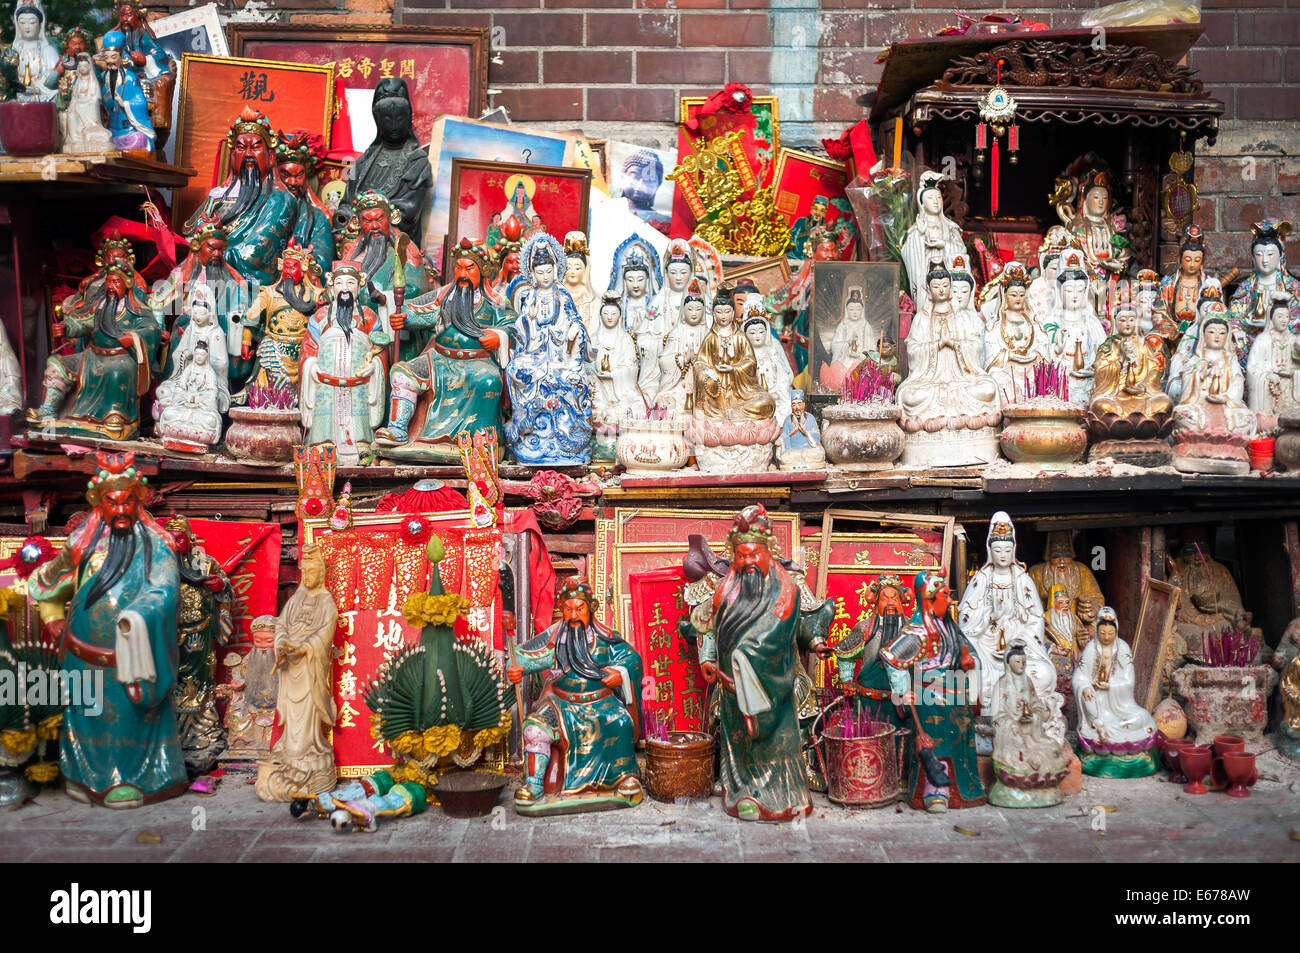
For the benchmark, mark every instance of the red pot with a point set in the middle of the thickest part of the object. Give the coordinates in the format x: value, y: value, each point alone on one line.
x: 29, y: 129
x: 1261, y: 453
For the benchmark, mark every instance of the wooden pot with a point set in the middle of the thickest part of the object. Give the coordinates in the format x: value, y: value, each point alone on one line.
x: 682, y: 766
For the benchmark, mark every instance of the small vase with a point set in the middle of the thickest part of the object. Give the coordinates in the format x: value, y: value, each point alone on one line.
x: 862, y: 437
x: 1051, y: 438
x: 652, y: 446
x: 263, y: 436
x: 29, y: 128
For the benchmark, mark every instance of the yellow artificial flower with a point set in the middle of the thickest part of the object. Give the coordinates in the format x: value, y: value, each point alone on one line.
x: 11, y: 600
x: 406, y: 742
x: 490, y: 736
x: 413, y: 609
x: 48, y: 729
x: 421, y: 609
x: 43, y: 772
x: 442, y: 740
x: 18, y: 740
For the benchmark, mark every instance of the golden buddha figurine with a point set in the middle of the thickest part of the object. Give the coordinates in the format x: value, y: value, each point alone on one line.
x: 1129, y: 414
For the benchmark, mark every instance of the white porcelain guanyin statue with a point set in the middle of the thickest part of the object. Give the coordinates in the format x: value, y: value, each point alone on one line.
x: 1000, y: 607
x: 189, y: 404
x: 11, y: 377
x: 932, y: 237
x: 1013, y: 343
x: 1212, y: 423
x: 774, y: 373
x: 950, y: 407
x: 1074, y: 330
x: 612, y: 370
x: 80, y: 103
x: 1117, y: 736
x: 680, y: 346
x: 1042, y: 290
x: 1271, y: 368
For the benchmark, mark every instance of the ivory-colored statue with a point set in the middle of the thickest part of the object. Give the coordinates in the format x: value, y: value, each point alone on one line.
x: 1117, y: 736
x: 676, y: 379
x: 1078, y: 332
x: 1000, y: 607
x: 79, y: 100
x: 950, y: 408
x: 1212, y: 423
x: 611, y: 367
x: 577, y: 279
x: 1013, y: 343
x: 1185, y: 350
x: 932, y: 237
x: 1271, y: 368
x: 189, y: 404
x: 1029, y: 765
x: 1042, y: 290
x: 302, y: 758
x: 678, y: 274
x: 774, y: 373
x: 634, y: 277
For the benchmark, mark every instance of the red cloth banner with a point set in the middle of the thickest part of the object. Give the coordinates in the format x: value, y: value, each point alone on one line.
x: 672, y: 686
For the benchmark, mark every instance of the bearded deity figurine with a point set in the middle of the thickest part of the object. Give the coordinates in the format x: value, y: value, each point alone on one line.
x: 1130, y: 416
x: 282, y: 311
x: 1060, y: 568
x: 110, y: 599
x: 33, y: 57
x: 1101, y: 233
x: 733, y: 424
x: 577, y: 279
x: 1028, y: 764
x: 1013, y: 343
x: 800, y: 446
x: 933, y: 237
x: 1001, y: 606
x: 107, y: 378
x: 1212, y: 424
x: 951, y: 409
x: 456, y: 384
x: 125, y: 105
x: 550, y: 423
x: 634, y: 277
x: 302, y: 759
x: 114, y: 250
x: 611, y: 363
x: 295, y: 167
x: 258, y: 212
x: 396, y: 260
x: 343, y: 378
x: 205, y: 622
x: 1042, y: 290
x: 751, y: 650
x: 1074, y: 331
x: 395, y: 165
x: 80, y: 103
x: 676, y: 379
x: 1117, y: 736
x: 1271, y: 367
x: 189, y: 404
x: 580, y: 739
x: 152, y: 66
x: 1270, y: 279
x: 774, y: 374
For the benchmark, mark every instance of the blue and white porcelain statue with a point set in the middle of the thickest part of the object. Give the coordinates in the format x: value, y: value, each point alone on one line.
x: 550, y: 422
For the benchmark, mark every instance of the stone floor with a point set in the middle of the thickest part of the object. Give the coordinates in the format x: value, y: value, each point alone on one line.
x: 1151, y: 820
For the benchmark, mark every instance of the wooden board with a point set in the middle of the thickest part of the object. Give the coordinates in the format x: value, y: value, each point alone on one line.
x: 1152, y: 639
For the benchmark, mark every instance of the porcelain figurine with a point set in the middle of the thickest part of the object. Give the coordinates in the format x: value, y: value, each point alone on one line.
x: 33, y: 57
x: 849, y: 345
x: 395, y: 165
x: 295, y: 170
x: 1185, y: 351
x: 189, y: 404
x: 257, y: 211
x: 678, y: 273
x: 1029, y: 766
x: 677, y: 356
x: 343, y: 378
x: 281, y: 312
x: 550, y: 422
x: 774, y: 373
x: 1181, y: 289
x: 586, y: 725
x: 80, y: 103
x: 250, y: 692
x: 113, y: 590
x: 800, y: 446
x: 1271, y: 367
x: 456, y: 384
x: 1042, y: 290
x: 96, y: 392
x: 1287, y: 661
x: 963, y: 294
x: 1074, y: 330
x: 80, y: 306
x: 1117, y: 736
x: 395, y: 260
x: 612, y: 370
x: 154, y: 69
x: 1013, y: 342
x: 1270, y: 279
x: 1001, y: 606
x: 634, y: 277
x: 577, y: 279
x: 1128, y: 403
x: 750, y: 650
x: 933, y: 237
x: 1100, y: 230
x: 1212, y: 423
x: 733, y: 423
x: 11, y: 377
x: 950, y: 408
x: 125, y: 107
x: 302, y: 758
x: 1060, y: 569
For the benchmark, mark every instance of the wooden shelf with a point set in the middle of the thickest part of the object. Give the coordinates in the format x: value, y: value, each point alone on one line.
x: 99, y: 169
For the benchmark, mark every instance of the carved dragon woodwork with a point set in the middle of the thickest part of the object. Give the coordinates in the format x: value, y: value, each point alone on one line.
x: 1032, y: 62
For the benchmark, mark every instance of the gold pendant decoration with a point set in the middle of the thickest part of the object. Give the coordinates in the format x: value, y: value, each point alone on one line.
x: 1179, y: 198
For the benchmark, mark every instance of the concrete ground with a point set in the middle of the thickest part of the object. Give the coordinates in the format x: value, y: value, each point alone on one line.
x: 1151, y: 820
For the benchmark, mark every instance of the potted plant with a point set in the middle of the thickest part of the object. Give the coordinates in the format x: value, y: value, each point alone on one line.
x: 1225, y: 690
x: 1041, y: 427
x: 861, y: 431
x: 263, y: 433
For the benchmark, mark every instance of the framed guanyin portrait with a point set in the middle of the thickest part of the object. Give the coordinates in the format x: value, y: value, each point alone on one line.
x: 854, y: 315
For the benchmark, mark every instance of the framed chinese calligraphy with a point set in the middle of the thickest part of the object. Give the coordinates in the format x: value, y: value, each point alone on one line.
x: 840, y: 565
x: 445, y: 68
x: 215, y: 89
x: 1152, y: 640
x: 810, y: 194
x: 854, y: 315
x: 672, y: 694
x: 767, y: 275
x: 488, y: 194
x: 641, y: 540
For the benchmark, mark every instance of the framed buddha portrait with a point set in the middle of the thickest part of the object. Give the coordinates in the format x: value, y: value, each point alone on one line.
x: 853, y: 316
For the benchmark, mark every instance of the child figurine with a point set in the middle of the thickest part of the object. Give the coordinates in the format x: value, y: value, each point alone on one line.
x: 1029, y: 765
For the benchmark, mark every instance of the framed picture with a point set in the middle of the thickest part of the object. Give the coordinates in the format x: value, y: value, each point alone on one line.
x: 196, y: 31
x: 455, y: 138
x: 213, y: 92
x: 1153, y: 639
x: 810, y: 190
x: 854, y: 314
x: 445, y: 68
x: 486, y: 195
x: 600, y: 147
x: 767, y: 275
x: 636, y: 176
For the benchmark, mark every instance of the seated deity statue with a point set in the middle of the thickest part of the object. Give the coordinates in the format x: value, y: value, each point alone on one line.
x: 1013, y: 342
x: 1130, y: 415
x: 1117, y: 736
x: 1029, y: 766
x: 189, y: 404
x: 1271, y: 368
x: 1212, y: 423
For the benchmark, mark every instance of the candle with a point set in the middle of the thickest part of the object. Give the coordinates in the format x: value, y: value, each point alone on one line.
x: 898, y: 142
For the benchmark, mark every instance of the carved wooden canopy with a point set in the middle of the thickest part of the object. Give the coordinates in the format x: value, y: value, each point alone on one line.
x: 1054, y: 63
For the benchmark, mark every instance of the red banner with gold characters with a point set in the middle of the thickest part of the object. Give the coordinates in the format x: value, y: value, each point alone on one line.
x: 672, y: 689
x: 255, y: 575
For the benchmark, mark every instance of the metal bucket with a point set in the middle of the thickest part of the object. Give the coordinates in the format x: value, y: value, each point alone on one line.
x: 861, y: 770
